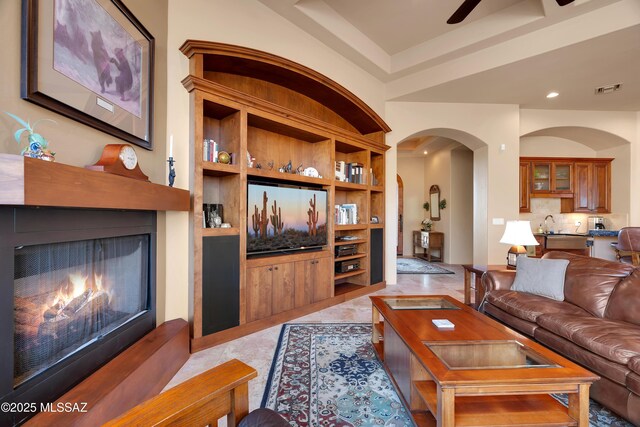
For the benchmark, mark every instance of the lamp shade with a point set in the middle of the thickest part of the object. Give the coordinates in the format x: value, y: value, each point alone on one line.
x: 518, y: 233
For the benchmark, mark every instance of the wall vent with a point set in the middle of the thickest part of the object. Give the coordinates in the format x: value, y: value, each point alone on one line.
x: 608, y: 89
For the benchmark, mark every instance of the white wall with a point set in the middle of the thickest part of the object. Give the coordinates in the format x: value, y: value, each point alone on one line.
x: 247, y: 23
x: 437, y: 171
x: 411, y: 170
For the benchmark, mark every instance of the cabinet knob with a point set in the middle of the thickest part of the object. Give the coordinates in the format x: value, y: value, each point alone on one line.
x: 270, y: 269
x: 275, y: 268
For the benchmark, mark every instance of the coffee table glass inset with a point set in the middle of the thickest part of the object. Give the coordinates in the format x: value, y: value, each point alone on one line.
x: 420, y: 304
x: 501, y: 354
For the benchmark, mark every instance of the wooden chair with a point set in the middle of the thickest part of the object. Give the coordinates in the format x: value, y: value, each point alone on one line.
x: 628, y: 245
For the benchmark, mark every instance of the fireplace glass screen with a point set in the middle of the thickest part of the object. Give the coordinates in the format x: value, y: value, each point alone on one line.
x: 68, y: 295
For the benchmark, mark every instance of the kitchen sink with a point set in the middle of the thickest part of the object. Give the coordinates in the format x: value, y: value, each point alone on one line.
x: 565, y: 241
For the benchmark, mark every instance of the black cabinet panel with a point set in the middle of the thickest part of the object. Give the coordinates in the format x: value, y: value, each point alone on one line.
x: 220, y: 283
x: 377, y: 255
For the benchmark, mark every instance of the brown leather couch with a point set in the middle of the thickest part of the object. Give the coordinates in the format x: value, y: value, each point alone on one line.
x: 597, y: 325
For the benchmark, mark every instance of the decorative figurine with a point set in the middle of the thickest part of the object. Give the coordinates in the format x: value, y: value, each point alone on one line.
x: 299, y: 169
x: 37, y: 146
x: 172, y: 172
x: 270, y: 165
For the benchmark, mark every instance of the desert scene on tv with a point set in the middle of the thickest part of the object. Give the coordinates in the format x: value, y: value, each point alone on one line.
x: 283, y: 218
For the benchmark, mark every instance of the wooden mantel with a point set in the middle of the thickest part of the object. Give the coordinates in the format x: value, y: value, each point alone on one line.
x: 32, y: 182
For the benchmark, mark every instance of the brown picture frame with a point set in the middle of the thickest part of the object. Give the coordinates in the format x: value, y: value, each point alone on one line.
x: 118, y: 100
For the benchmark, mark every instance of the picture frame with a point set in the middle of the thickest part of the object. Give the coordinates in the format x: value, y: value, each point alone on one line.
x: 91, y: 61
x: 374, y: 219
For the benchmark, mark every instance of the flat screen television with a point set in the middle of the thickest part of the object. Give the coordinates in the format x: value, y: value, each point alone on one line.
x: 284, y: 218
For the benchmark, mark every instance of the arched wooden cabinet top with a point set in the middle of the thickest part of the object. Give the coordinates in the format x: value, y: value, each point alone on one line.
x: 217, y: 62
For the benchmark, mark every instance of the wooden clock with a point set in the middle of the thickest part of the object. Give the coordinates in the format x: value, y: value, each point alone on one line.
x: 119, y: 159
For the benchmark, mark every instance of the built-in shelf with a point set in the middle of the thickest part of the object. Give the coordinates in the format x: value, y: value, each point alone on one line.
x: 349, y: 274
x: 377, y: 189
x: 348, y: 227
x: 219, y: 169
x: 232, y: 231
x: 281, y: 176
x: 33, y: 182
x: 348, y: 257
x: 350, y: 242
x: 349, y: 186
x: 345, y: 288
x: 376, y: 225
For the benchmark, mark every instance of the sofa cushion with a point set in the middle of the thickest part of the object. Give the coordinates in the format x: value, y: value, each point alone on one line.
x: 633, y: 383
x: 528, y: 306
x: 634, y: 365
x: 590, y: 281
x: 613, y: 340
x: 544, y: 277
x: 625, y: 299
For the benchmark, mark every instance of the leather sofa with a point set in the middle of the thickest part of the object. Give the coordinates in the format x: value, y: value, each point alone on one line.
x: 597, y: 325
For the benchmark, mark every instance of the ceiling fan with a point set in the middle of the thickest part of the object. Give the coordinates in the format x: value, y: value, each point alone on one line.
x: 468, y: 5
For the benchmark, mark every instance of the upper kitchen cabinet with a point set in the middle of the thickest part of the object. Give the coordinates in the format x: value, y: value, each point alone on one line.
x: 525, y: 187
x: 551, y: 178
x: 593, y: 186
x: 583, y: 184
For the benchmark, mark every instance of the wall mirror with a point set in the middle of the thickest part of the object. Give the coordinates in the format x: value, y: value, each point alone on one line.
x: 434, y: 201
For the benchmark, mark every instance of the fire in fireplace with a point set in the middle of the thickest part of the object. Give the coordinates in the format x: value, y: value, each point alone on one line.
x: 69, y: 294
x: 77, y: 286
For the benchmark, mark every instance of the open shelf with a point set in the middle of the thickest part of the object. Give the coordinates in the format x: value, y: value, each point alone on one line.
x: 349, y: 242
x: 345, y: 288
x: 219, y: 169
x: 339, y: 276
x: 348, y: 257
x: 347, y: 227
x: 232, y: 231
x: 377, y: 189
x: 428, y: 391
x: 350, y: 186
x: 288, y: 177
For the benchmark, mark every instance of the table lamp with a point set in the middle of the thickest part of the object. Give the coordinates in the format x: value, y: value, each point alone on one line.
x: 518, y: 234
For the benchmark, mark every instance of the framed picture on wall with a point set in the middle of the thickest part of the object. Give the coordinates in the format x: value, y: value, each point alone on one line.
x: 92, y: 61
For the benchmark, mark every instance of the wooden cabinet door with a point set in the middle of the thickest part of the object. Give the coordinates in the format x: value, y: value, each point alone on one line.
x: 525, y: 186
x: 322, y: 286
x: 303, y: 283
x: 562, y: 177
x: 541, y: 177
x: 283, y: 287
x: 583, y: 183
x: 601, y: 194
x: 259, y: 292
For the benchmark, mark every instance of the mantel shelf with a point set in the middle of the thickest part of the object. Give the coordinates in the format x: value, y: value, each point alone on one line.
x: 32, y: 182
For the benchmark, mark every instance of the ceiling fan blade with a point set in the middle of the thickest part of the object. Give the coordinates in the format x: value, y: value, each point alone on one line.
x: 563, y: 2
x: 465, y: 9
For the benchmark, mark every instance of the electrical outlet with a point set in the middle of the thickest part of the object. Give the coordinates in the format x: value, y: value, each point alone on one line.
x: 498, y: 221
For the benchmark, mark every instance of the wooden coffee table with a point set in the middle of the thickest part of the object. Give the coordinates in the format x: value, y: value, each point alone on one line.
x: 480, y: 373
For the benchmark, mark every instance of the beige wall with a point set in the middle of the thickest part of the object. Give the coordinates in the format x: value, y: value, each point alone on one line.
x: 411, y: 170
x: 437, y: 171
x: 251, y: 24
x: 77, y: 144
x: 460, y: 206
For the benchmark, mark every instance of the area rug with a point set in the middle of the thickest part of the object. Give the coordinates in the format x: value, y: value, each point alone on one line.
x: 328, y: 374
x: 418, y: 266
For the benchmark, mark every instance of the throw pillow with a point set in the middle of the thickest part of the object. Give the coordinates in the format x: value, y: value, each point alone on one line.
x: 544, y: 277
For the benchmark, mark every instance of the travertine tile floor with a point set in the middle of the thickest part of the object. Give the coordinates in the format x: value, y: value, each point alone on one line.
x: 257, y: 349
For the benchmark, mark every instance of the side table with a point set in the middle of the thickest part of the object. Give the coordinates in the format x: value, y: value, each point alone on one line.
x: 477, y: 270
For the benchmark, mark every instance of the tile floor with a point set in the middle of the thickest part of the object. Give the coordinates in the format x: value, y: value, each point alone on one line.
x: 257, y: 349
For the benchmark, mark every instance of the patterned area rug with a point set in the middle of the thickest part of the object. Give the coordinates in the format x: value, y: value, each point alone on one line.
x: 418, y: 266
x: 328, y: 374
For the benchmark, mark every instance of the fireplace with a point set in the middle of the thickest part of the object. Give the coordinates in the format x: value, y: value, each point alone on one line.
x: 77, y: 286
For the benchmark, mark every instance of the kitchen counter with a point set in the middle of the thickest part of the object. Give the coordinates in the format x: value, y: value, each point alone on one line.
x: 603, y: 233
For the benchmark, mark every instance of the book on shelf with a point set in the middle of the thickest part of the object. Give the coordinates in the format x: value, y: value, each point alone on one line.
x: 346, y: 214
x: 211, y: 150
x: 353, y: 172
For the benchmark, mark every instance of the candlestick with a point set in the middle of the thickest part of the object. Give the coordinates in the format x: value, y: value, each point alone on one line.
x: 172, y: 171
x: 171, y: 146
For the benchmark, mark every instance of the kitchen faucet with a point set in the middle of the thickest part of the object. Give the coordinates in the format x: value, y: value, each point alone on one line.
x: 546, y: 228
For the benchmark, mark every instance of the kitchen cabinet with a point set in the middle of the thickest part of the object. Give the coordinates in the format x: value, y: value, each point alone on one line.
x: 582, y: 184
x: 552, y: 178
x: 593, y: 186
x: 525, y: 188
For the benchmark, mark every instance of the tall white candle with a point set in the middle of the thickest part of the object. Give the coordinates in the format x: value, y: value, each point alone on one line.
x: 171, y: 146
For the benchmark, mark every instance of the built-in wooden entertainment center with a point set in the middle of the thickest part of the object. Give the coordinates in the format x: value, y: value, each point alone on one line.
x: 268, y: 112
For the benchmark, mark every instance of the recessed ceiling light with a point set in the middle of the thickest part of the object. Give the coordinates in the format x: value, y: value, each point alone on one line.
x: 425, y: 152
x: 552, y: 94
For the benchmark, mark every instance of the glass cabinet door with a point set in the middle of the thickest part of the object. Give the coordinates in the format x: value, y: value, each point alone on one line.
x: 562, y: 177
x: 541, y: 177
